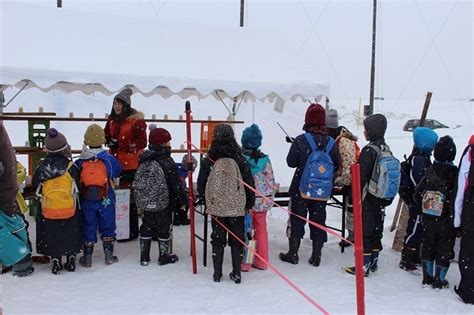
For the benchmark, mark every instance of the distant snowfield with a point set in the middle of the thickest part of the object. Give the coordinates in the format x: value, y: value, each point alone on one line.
x: 128, y: 288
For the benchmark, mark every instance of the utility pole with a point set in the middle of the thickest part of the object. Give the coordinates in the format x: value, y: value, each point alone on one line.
x: 242, y: 4
x: 372, y: 66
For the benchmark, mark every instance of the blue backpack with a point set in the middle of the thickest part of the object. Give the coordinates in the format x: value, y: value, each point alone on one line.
x: 13, y: 239
x: 317, y: 179
x: 385, y: 179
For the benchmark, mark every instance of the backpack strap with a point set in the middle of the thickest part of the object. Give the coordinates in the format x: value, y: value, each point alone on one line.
x: 313, y: 146
x: 311, y: 142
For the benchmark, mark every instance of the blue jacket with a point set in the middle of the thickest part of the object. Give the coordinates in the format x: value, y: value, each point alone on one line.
x: 299, y: 153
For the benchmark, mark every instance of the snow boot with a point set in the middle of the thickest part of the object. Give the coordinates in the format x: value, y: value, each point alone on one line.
x: 374, y: 261
x: 217, y: 259
x: 350, y: 238
x: 292, y: 255
x: 108, y: 246
x: 86, y: 259
x: 367, y: 265
x: 24, y: 267
x: 57, y: 266
x: 406, y: 263
x: 237, y: 255
x: 165, y: 257
x: 145, y: 244
x: 70, y: 264
x: 315, y: 258
x: 428, y: 273
x: 439, y: 281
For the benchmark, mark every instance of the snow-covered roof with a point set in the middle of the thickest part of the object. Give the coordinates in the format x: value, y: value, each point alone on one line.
x: 50, y: 48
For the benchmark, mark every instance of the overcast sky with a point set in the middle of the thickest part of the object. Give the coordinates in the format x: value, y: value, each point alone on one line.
x: 422, y: 45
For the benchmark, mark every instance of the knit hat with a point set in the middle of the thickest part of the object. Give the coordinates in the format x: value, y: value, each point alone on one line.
x: 56, y: 142
x: 184, y: 162
x: 315, y: 115
x: 223, y: 132
x: 94, y: 136
x: 125, y: 96
x: 375, y: 126
x: 252, y: 137
x: 332, y: 119
x: 158, y: 136
x: 471, y: 140
x: 8, y: 184
x: 445, y: 149
x: 425, y: 139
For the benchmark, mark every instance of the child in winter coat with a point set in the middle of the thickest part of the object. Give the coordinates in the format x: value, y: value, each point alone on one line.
x: 348, y: 155
x: 13, y: 237
x: 58, y: 224
x: 97, y: 170
x: 180, y: 215
x: 420, y: 160
x: 226, y: 198
x: 373, y: 208
x: 301, y: 149
x: 435, y: 195
x: 464, y: 224
x: 262, y: 172
x: 157, y: 177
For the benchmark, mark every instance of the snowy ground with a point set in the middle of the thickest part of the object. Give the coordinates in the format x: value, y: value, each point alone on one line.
x: 128, y: 288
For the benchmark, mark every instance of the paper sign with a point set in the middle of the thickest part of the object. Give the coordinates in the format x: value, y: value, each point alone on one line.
x: 122, y: 213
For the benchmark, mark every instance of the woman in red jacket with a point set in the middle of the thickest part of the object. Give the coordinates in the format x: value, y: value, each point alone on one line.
x: 125, y: 133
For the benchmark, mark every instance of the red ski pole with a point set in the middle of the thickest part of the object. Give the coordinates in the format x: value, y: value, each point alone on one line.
x: 190, y: 185
x: 358, y: 243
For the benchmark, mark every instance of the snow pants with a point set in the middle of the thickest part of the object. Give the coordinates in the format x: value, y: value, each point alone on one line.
x: 372, y: 224
x: 157, y: 224
x: 466, y: 267
x: 98, y: 215
x: 413, y: 234
x: 317, y: 213
x: 259, y: 223
x: 438, y: 240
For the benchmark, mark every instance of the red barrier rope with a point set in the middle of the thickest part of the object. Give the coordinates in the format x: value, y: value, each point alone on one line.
x: 319, y: 226
x: 281, y: 275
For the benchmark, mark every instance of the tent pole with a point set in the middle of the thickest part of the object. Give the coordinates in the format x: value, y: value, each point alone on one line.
x: 2, y: 100
x: 191, y: 187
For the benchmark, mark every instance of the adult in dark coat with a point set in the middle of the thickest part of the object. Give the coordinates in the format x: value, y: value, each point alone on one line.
x: 61, y: 237
x: 315, y: 125
x: 464, y: 224
x: 8, y: 191
x: 224, y: 145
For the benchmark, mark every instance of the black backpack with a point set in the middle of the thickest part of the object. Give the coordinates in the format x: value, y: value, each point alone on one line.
x: 407, y: 187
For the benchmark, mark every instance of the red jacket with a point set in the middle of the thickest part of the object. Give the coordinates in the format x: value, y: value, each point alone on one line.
x: 130, y: 133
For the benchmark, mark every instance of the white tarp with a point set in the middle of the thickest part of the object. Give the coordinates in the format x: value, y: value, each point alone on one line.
x: 50, y: 48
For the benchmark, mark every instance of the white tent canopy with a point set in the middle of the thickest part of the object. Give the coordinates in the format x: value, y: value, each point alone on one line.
x: 49, y: 48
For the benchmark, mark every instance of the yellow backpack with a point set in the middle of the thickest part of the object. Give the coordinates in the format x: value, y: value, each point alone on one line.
x: 58, y: 196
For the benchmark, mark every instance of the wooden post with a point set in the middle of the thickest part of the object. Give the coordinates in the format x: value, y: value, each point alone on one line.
x: 425, y: 108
